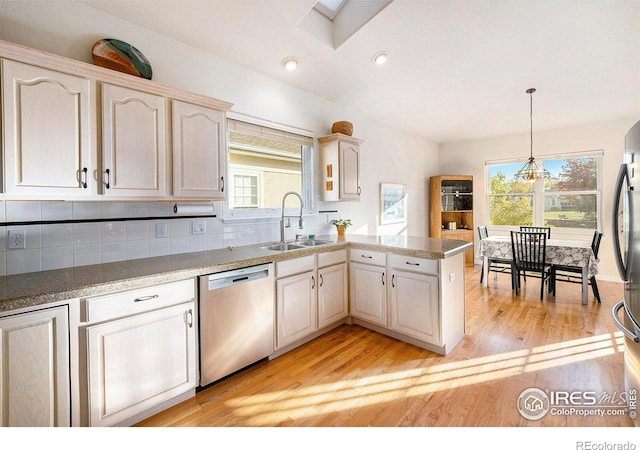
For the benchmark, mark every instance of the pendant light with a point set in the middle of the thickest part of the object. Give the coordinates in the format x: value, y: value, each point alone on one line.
x: 531, y: 171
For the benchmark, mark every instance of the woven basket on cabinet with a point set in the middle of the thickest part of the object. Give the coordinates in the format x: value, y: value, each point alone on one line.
x: 343, y: 127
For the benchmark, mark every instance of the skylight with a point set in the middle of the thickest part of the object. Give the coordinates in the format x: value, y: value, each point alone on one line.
x: 329, y: 8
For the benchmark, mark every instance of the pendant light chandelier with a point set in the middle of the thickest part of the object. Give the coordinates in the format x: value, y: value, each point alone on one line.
x: 531, y: 171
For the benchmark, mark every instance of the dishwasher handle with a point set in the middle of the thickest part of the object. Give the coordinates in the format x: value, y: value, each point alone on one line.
x: 238, y: 276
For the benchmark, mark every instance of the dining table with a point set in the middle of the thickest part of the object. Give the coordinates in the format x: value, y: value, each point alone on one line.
x: 559, y: 251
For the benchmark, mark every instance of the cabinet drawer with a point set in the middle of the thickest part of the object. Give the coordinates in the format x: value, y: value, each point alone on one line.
x: 410, y: 263
x: 135, y: 301
x: 331, y: 258
x: 293, y: 266
x: 368, y: 257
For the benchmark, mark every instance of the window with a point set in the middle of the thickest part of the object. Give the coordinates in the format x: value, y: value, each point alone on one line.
x: 264, y: 163
x: 244, y: 190
x: 569, y: 198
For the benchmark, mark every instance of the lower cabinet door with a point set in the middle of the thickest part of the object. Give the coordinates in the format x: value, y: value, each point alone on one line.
x: 138, y: 362
x: 368, y: 293
x: 332, y: 294
x: 296, y: 307
x: 34, y: 369
x: 414, y: 305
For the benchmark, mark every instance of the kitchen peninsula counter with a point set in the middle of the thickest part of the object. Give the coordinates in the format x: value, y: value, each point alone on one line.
x: 39, y: 288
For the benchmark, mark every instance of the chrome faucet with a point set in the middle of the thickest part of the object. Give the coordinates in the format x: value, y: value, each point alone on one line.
x: 282, y: 225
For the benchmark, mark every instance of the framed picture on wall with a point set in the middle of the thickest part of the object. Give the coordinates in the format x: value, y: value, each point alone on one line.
x: 393, y: 203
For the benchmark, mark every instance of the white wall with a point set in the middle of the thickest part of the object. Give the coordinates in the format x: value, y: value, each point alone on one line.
x: 70, y: 29
x: 469, y: 158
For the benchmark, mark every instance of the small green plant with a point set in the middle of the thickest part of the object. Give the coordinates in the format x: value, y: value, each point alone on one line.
x: 341, y: 222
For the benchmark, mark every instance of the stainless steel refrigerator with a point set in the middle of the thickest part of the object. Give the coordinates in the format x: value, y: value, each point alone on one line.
x: 626, y: 234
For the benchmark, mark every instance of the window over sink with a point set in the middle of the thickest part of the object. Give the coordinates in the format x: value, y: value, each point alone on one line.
x: 265, y: 161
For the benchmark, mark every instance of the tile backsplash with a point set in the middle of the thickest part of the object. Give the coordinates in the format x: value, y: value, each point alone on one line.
x: 61, y: 245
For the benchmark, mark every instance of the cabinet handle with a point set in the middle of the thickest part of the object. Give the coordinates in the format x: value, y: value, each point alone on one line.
x: 412, y: 264
x: 393, y: 280
x: 145, y: 298
x: 313, y: 286
x: 189, y: 315
x: 366, y: 256
x: 383, y: 278
x: 108, y: 178
x: 359, y: 190
x: 84, y: 183
x: 321, y: 280
x: 222, y: 178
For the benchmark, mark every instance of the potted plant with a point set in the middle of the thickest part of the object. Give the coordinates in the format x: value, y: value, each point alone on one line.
x: 341, y: 225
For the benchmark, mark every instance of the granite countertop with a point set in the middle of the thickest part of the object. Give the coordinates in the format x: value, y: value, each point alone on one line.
x: 38, y: 288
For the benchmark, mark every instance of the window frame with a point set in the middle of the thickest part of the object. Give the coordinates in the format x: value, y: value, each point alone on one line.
x: 271, y: 214
x: 539, y: 194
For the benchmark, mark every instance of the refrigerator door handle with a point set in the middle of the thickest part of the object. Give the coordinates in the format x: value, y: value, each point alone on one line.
x: 623, y: 175
x: 614, y: 313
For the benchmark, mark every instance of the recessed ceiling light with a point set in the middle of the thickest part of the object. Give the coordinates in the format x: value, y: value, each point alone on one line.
x: 380, y: 58
x: 290, y: 64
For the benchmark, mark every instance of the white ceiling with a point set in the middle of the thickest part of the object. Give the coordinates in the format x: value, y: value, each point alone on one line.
x: 458, y: 69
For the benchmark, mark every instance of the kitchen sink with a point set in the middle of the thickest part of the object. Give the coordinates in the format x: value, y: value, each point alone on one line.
x: 308, y: 243
x: 283, y: 247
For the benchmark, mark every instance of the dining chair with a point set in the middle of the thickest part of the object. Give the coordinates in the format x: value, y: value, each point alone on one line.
x: 496, y: 265
x: 573, y: 274
x: 530, y: 229
x: 530, y: 258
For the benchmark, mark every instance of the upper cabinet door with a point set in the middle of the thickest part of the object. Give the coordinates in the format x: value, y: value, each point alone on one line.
x: 48, y: 133
x: 340, y: 167
x: 134, y: 143
x: 199, y: 151
x: 349, y: 171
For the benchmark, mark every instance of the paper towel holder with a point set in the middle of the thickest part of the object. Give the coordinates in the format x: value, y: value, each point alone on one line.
x: 194, y: 208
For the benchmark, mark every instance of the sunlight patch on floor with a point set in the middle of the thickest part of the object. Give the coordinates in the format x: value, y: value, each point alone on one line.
x: 272, y: 408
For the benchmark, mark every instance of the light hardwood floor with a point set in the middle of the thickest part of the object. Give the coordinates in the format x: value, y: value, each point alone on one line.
x: 354, y: 377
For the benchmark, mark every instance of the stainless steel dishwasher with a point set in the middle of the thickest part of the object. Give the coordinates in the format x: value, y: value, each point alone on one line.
x: 237, y: 316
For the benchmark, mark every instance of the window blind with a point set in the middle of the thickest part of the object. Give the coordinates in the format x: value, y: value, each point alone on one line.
x: 254, y: 129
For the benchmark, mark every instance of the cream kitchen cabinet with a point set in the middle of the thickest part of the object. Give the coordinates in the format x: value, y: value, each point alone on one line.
x: 311, y: 294
x: 76, y: 131
x: 48, y: 133
x: 141, y: 351
x: 134, y: 143
x: 417, y: 300
x: 368, y: 285
x: 296, y: 310
x: 199, y: 151
x: 333, y: 304
x: 413, y: 299
x: 34, y: 363
x: 340, y: 167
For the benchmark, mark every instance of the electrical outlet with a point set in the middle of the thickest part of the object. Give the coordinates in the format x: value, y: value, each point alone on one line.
x: 198, y: 227
x: 162, y: 230
x: 17, y: 239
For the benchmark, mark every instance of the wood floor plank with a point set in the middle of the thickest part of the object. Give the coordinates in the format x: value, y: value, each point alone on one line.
x: 355, y: 377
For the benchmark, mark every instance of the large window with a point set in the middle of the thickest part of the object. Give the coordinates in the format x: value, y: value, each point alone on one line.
x: 568, y: 198
x: 264, y: 163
